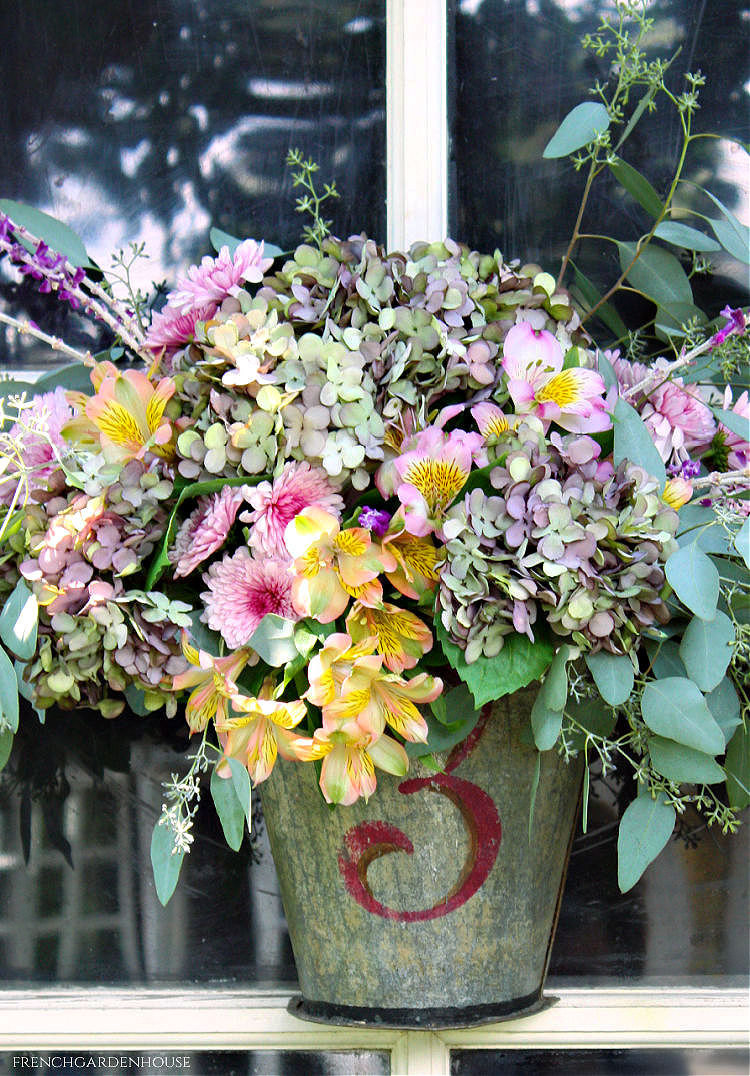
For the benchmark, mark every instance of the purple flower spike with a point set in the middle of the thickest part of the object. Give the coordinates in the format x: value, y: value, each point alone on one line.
x: 375, y: 520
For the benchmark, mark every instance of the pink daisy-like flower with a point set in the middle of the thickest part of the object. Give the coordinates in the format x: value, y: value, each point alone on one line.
x: 739, y: 449
x: 276, y: 504
x: 677, y: 420
x: 216, y: 278
x: 242, y: 590
x: 206, y: 529
x: 171, y: 329
x: 39, y: 441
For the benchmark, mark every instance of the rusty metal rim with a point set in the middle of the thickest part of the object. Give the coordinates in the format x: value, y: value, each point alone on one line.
x: 433, y: 1019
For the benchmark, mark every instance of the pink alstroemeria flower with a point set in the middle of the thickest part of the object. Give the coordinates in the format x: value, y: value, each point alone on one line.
x: 573, y: 398
x: 432, y: 474
x: 213, y: 683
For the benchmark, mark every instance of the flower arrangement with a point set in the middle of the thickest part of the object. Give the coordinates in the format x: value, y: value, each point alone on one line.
x: 329, y: 504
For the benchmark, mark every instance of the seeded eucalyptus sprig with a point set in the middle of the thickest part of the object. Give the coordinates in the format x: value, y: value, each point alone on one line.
x: 312, y: 201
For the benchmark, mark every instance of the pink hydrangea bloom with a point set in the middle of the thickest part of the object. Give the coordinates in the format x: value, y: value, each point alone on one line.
x: 739, y: 449
x: 216, y: 278
x: 676, y: 417
x: 242, y: 589
x: 39, y: 441
x: 275, y: 504
x: 171, y: 329
x: 205, y: 530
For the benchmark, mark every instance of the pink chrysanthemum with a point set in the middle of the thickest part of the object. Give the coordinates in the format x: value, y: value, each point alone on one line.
x: 677, y: 420
x: 739, y: 449
x: 171, y: 329
x: 276, y: 504
x: 216, y: 278
x: 39, y: 441
x: 242, y: 590
x: 205, y: 530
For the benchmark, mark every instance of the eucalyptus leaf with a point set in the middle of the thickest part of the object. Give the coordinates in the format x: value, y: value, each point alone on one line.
x: 593, y: 715
x: 738, y: 424
x: 742, y: 541
x: 518, y: 664
x: 219, y: 238
x: 613, y: 675
x: 546, y: 723
x: 606, y: 312
x: 737, y: 765
x: 679, y: 763
x: 657, y: 274
x: 725, y: 707
x: 734, y: 242
x: 645, y: 828
x: 18, y: 622
x: 8, y: 693
x: 634, y: 442
x: 242, y: 789
x: 229, y: 809
x: 6, y: 746
x: 75, y: 376
x: 607, y: 370
x: 698, y: 523
x: 675, y: 708
x: 666, y: 660
x: 681, y: 235
x: 581, y: 126
x: 706, y: 649
x: 694, y: 579
x: 273, y: 639
x: 637, y: 186
x: 135, y: 699
x: 165, y: 862
x: 58, y: 236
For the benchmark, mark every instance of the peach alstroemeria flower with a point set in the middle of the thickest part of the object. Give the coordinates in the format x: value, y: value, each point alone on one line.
x: 573, y: 398
x: 402, y: 637
x: 262, y: 731
x: 126, y: 415
x: 418, y: 561
x: 677, y: 492
x: 350, y: 758
x: 213, y: 683
x: 330, y: 667
x: 332, y: 566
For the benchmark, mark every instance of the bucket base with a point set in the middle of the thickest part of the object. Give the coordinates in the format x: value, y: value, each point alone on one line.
x: 431, y: 1019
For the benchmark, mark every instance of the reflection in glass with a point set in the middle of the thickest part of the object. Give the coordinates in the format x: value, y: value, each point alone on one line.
x: 638, y: 1062
x: 79, y: 799
x: 153, y: 121
x: 218, y: 1063
x: 519, y: 69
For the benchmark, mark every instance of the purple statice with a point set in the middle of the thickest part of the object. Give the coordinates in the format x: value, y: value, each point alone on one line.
x: 686, y: 469
x: 53, y: 271
x: 735, y: 323
x: 376, y: 520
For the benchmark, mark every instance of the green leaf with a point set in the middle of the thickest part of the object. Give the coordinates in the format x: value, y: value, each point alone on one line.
x: 55, y: 234
x: 444, y: 734
x: 165, y: 862
x: 273, y: 639
x: 613, y: 674
x: 18, y: 622
x: 680, y: 235
x: 606, y: 313
x: 669, y: 322
x: 725, y: 707
x: 581, y: 126
x: 219, y: 239
x: 518, y: 664
x: 633, y: 441
x: 545, y: 723
x: 731, y: 233
x: 699, y: 524
x: 135, y: 699
x: 679, y: 763
x: 75, y: 376
x: 736, y: 423
x: 742, y: 541
x: 637, y: 186
x: 667, y: 660
x: 242, y: 789
x: 645, y: 828
x: 534, y: 789
x: 229, y: 809
x: 675, y: 708
x: 585, y: 796
x: 607, y: 371
x: 6, y: 746
x: 8, y: 693
x: 657, y: 274
x: 594, y: 716
x: 694, y: 579
x: 706, y: 649
x: 737, y: 765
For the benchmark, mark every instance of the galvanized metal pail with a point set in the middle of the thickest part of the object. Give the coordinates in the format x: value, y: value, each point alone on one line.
x: 432, y: 905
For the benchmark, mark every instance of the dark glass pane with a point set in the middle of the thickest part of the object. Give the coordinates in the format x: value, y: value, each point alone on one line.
x: 218, y: 1063
x: 519, y: 69
x: 153, y: 121
x: 638, y: 1062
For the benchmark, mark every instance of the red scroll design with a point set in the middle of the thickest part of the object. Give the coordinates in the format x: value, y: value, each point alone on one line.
x: 370, y: 840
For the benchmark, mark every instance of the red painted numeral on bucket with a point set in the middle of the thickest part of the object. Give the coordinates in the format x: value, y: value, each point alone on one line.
x: 370, y: 840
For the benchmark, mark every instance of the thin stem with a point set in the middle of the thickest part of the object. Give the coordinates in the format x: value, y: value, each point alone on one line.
x: 25, y: 328
x: 593, y: 173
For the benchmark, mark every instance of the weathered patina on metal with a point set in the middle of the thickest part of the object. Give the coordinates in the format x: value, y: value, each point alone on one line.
x: 432, y: 905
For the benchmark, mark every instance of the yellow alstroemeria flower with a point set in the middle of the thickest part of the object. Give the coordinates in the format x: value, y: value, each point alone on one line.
x: 213, y: 683
x: 402, y: 637
x: 418, y: 561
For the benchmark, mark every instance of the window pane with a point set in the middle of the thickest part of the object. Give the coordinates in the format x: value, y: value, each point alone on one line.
x: 154, y: 121
x: 681, y: 1062
x: 519, y: 69
x: 217, y: 1063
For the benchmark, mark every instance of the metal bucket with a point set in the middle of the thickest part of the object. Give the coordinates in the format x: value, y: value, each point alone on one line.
x: 431, y: 906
